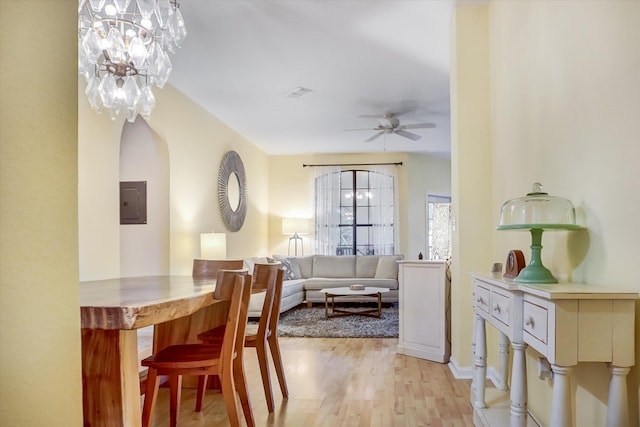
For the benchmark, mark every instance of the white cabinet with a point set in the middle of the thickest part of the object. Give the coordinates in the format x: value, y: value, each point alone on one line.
x: 424, y: 310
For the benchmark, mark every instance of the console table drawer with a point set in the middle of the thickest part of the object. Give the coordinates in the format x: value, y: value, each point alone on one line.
x: 500, y: 307
x: 482, y: 297
x: 535, y: 319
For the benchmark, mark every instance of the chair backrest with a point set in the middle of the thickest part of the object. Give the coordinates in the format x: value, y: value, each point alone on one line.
x: 264, y: 277
x: 264, y: 274
x: 277, y: 300
x: 233, y: 286
x: 208, y: 268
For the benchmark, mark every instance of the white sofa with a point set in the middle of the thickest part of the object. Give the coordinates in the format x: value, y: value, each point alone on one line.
x: 306, y: 276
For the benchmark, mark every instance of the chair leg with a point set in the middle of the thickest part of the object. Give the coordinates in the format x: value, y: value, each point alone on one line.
x: 266, y: 376
x: 175, y: 387
x: 229, y: 395
x: 202, y: 387
x: 150, y: 397
x: 240, y: 380
x: 274, y: 346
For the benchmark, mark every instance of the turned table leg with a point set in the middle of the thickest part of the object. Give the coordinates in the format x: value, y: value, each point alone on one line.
x: 618, y: 411
x: 561, y: 415
x: 518, y: 394
x: 503, y: 356
x: 480, y: 362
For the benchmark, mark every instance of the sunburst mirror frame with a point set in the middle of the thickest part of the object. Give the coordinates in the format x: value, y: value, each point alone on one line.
x: 232, y: 164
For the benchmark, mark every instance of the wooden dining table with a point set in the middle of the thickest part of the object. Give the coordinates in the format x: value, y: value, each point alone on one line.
x: 112, y: 310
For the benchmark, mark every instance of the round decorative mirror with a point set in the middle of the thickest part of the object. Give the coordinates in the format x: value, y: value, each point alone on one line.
x: 232, y: 191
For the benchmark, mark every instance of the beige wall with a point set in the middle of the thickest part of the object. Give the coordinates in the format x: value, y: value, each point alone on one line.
x: 471, y: 165
x: 196, y: 143
x: 144, y: 250
x: 425, y: 175
x: 565, y: 102
x: 40, y: 380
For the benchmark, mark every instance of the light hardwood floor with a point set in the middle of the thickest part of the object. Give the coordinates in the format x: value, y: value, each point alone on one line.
x: 333, y: 382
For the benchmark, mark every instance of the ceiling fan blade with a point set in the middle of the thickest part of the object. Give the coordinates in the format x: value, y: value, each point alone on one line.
x: 375, y: 128
x: 377, y: 135
x: 419, y: 126
x: 406, y: 134
x: 349, y: 130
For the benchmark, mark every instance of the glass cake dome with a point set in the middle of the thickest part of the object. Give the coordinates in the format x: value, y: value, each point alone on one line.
x: 537, y: 210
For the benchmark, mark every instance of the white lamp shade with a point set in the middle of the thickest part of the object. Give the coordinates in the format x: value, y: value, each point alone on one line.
x: 295, y: 226
x: 213, y: 246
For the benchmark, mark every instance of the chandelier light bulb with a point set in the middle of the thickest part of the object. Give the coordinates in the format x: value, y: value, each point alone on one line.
x: 110, y: 10
x: 146, y: 23
x: 123, y: 50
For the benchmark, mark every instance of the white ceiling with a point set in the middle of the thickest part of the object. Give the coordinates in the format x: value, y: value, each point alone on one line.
x: 358, y: 57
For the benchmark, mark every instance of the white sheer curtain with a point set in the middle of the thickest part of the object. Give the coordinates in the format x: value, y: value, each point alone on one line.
x: 327, y: 209
x: 384, y: 209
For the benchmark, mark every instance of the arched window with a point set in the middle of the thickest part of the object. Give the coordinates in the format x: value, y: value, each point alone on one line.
x: 355, y: 213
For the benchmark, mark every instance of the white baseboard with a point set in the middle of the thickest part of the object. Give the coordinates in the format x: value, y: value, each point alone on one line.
x: 466, y: 372
x: 439, y: 357
x: 460, y: 373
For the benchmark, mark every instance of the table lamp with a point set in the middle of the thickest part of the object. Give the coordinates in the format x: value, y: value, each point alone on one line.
x: 213, y: 246
x: 536, y: 212
x: 295, y: 226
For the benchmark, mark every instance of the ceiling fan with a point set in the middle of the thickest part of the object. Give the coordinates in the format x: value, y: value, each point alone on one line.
x: 389, y: 123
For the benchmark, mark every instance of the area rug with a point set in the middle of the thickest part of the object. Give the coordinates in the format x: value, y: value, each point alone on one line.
x: 311, y: 322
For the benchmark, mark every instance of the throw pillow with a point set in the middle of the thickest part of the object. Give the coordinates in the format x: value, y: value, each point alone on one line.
x: 286, y: 266
x: 388, y: 267
x: 295, y: 268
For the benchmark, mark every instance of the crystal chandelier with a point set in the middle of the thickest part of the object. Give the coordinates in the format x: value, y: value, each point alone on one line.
x: 122, y: 52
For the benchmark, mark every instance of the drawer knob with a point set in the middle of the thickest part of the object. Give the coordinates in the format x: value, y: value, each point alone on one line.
x: 479, y: 300
x: 528, y: 321
x: 496, y: 308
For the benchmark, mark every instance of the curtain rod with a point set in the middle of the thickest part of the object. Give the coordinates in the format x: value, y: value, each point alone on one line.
x: 354, y: 164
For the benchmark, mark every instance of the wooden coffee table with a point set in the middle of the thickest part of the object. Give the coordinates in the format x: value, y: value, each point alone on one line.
x: 332, y: 293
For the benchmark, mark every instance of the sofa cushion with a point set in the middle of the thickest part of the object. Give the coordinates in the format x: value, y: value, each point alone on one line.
x: 289, y: 289
x: 334, y: 266
x: 304, y: 264
x: 366, y: 266
x: 387, y: 267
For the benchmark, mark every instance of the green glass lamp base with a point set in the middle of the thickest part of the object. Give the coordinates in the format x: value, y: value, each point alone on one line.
x: 535, y: 272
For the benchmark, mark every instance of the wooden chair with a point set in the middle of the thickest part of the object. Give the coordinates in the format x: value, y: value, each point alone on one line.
x: 203, y: 359
x: 206, y: 269
x: 267, y: 277
x: 272, y: 336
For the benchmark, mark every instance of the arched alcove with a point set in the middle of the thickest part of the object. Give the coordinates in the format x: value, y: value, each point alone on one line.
x: 144, y: 248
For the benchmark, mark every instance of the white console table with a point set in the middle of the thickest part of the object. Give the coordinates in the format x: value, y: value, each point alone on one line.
x: 424, y: 292
x: 567, y: 323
